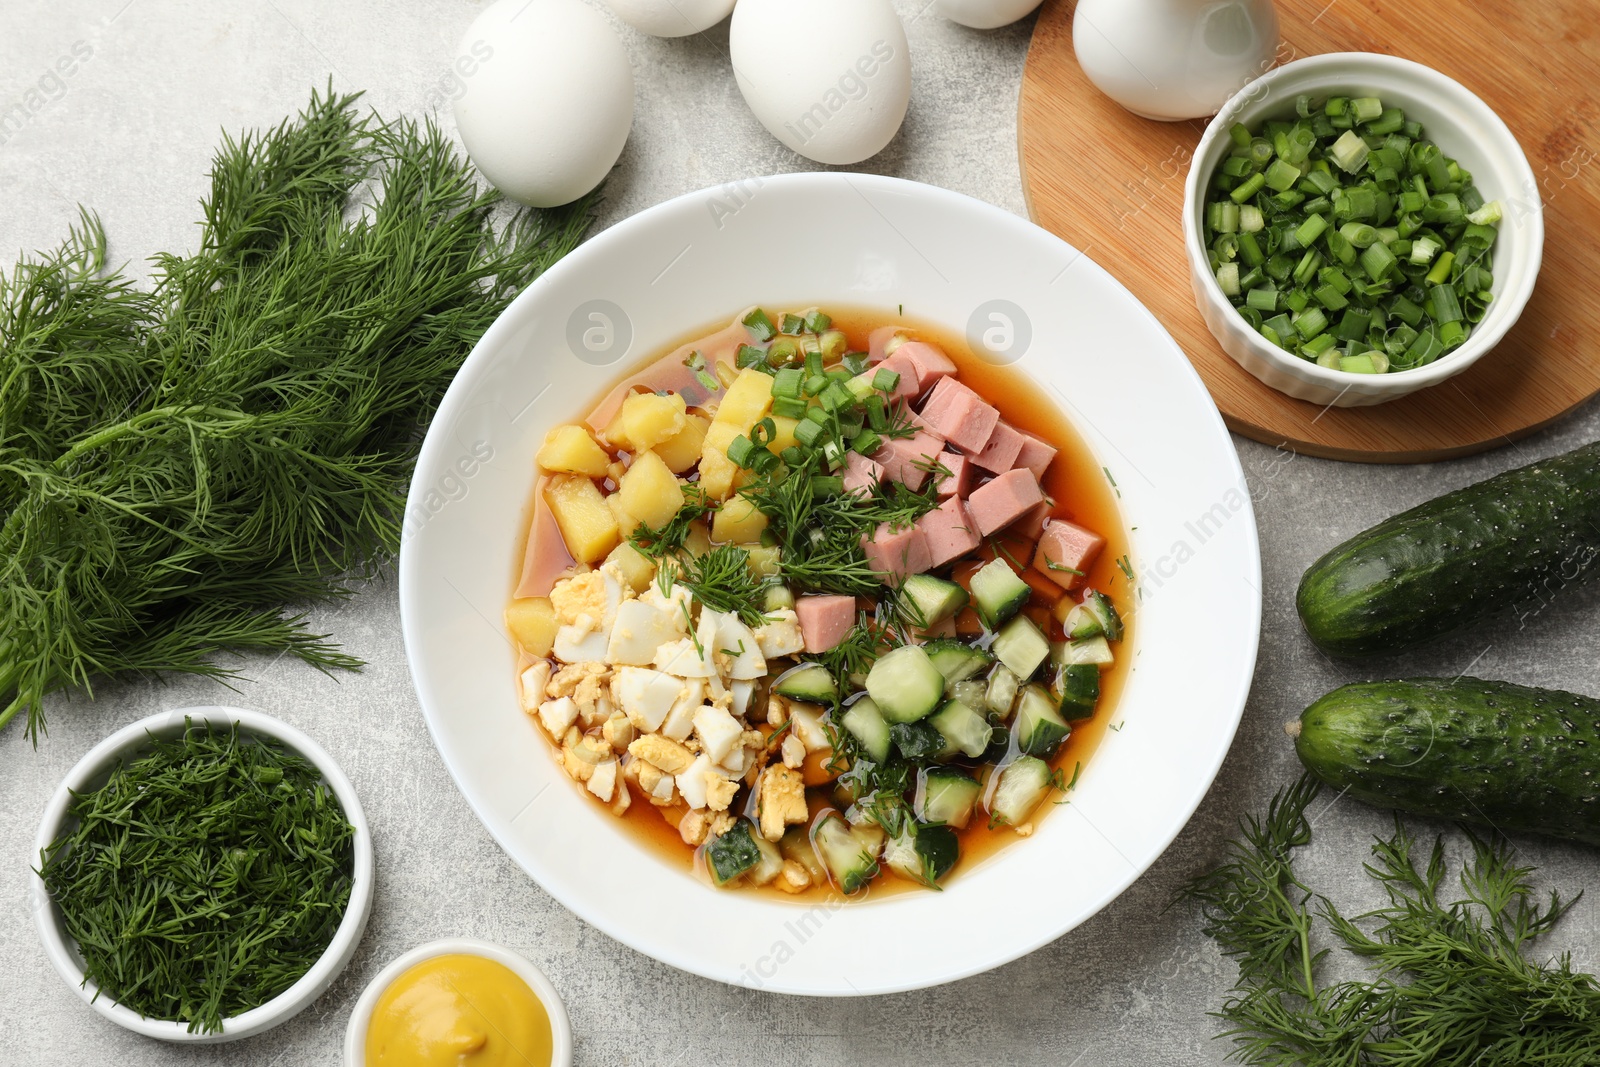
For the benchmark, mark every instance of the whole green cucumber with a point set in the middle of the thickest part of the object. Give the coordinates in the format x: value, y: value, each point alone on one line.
x: 1491, y: 753
x: 1507, y: 544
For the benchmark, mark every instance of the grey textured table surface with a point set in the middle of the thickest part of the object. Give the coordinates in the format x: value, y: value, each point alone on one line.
x: 130, y: 133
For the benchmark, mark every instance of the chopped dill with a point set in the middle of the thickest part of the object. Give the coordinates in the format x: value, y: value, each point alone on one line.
x: 722, y: 580
x: 1126, y: 567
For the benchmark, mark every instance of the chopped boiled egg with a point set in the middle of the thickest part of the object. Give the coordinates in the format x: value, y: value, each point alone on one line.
x: 718, y: 731
x: 646, y: 696
x: 780, y: 635
x: 640, y: 628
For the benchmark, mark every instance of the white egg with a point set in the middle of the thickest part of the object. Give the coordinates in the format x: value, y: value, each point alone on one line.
x: 829, y: 78
x: 548, y: 98
x: 671, y: 18
x: 984, y: 14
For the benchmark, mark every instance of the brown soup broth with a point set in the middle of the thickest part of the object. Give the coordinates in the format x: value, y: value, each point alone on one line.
x: 1082, y: 492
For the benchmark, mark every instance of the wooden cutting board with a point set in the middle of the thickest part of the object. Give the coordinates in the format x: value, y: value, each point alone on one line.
x: 1111, y: 184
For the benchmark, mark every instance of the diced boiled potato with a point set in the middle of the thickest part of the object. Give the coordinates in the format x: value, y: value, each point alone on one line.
x: 636, y: 568
x: 716, y: 469
x: 587, y: 525
x: 763, y: 560
x: 698, y: 541
x: 570, y: 450
x: 746, y: 401
x: 682, y: 450
x: 646, y: 420
x: 783, y: 435
x: 532, y: 621
x: 625, y: 522
x: 649, y: 491
x: 737, y: 520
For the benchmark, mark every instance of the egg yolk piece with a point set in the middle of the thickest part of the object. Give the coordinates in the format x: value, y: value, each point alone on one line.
x: 459, y: 1011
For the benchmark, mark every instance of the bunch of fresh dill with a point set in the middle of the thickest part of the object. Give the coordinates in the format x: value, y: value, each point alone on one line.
x: 180, y: 469
x: 203, y: 878
x: 1451, y: 984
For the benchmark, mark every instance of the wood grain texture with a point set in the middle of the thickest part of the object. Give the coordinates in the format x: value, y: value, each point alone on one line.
x: 1112, y: 184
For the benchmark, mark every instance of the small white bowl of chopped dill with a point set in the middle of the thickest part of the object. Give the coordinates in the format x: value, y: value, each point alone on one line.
x: 203, y: 875
x: 1359, y: 227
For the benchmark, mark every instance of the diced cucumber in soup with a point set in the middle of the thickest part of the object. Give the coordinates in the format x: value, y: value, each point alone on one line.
x: 1001, y: 692
x: 997, y: 593
x: 922, y: 854
x: 1021, y: 646
x: 1078, y: 690
x: 809, y: 682
x: 918, y: 742
x: 732, y: 853
x: 936, y: 599
x: 964, y: 730
x: 905, y: 685
x: 946, y: 795
x: 849, y: 864
x: 1023, y: 784
x: 956, y: 661
x: 1096, y: 650
x: 863, y: 722
x: 1039, y: 728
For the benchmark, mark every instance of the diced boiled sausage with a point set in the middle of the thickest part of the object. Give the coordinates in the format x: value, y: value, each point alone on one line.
x: 959, y: 481
x: 861, y: 474
x: 908, y: 459
x: 1067, y: 546
x: 908, y: 386
x: 824, y: 620
x: 949, y: 530
x: 894, y: 554
x: 1035, y: 455
x: 930, y: 362
x: 1000, y: 453
x: 998, y: 503
x: 963, y: 417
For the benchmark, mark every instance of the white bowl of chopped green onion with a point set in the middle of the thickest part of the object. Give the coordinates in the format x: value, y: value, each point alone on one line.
x: 263, y: 860
x: 1360, y: 227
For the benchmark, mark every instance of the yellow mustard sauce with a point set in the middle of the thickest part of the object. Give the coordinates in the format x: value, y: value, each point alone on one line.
x: 459, y: 1011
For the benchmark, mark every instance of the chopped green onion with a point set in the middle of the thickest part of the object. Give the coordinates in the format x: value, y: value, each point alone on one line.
x: 759, y: 325
x: 807, y: 432
x: 782, y: 351
x: 817, y: 321
x: 866, y: 442
x: 833, y: 344
x: 1227, y: 279
x: 787, y: 382
x: 750, y: 356
x: 826, y: 485
x: 1487, y: 215
x: 815, y: 384
x: 740, y: 450
x: 789, y: 407
x: 886, y: 381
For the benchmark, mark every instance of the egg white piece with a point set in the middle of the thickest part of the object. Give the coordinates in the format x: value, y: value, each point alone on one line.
x: 671, y: 18
x: 846, y: 100
x: 548, y: 98
x: 985, y: 14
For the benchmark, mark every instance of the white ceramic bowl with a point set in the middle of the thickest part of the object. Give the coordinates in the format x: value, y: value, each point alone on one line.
x: 355, y: 1034
x: 1464, y: 128
x: 874, y: 242
x: 93, y: 769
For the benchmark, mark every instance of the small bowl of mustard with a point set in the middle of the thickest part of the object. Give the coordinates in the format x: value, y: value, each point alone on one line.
x: 459, y: 1001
